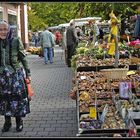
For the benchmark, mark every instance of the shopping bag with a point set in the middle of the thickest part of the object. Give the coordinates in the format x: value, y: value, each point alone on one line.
x: 29, y: 88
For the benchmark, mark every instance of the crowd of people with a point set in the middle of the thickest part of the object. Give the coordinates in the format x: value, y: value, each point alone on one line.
x: 67, y: 38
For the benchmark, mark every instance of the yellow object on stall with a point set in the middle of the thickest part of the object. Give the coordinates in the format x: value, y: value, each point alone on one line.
x: 92, y: 112
x: 114, y: 29
x: 113, y: 33
x: 114, y: 22
x: 131, y: 72
x: 111, y: 50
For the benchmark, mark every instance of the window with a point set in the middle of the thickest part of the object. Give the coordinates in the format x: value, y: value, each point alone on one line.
x: 12, y: 17
x: 1, y: 13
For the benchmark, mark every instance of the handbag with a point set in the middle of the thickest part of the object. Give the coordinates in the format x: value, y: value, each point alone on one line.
x: 29, y: 88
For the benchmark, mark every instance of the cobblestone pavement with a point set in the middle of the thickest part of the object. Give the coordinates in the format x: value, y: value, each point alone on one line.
x: 53, y: 112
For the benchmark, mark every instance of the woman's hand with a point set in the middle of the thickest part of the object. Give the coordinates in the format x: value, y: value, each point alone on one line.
x: 29, y: 77
x: 29, y: 98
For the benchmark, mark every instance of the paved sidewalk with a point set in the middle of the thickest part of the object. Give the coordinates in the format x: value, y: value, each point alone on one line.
x: 53, y: 113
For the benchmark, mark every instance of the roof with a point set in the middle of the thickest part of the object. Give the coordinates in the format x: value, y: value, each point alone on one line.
x: 53, y: 27
x: 64, y: 25
x: 86, y: 19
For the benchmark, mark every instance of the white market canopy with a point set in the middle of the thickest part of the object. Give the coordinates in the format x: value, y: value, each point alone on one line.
x: 83, y: 21
x: 80, y: 21
x: 53, y: 27
x: 63, y: 25
x: 86, y: 19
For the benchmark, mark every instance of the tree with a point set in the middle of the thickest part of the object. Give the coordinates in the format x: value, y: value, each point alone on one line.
x: 54, y: 13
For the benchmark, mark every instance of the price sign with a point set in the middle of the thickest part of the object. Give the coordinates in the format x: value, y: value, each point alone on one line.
x: 83, y: 77
x: 124, y: 90
x: 93, y: 112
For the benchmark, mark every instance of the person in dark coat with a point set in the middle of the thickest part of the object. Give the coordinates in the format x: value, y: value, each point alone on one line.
x: 71, y: 39
x: 136, y: 18
x: 137, y: 28
x: 14, y: 99
x: 101, y: 35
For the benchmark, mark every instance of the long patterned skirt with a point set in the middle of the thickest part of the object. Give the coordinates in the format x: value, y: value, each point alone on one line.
x: 13, y: 94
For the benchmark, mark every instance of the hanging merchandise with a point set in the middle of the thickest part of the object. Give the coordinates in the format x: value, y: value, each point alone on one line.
x: 111, y: 46
x: 114, y: 36
x: 114, y: 23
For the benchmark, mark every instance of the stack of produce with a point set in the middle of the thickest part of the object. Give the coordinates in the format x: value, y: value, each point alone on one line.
x: 34, y: 50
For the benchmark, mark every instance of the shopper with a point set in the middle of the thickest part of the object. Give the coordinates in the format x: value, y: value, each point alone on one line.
x: 47, y: 44
x: 71, y: 39
x: 94, y: 30
x: 54, y: 41
x: 136, y: 18
x: 79, y: 33
x: 36, y: 37
x: 101, y: 35
x: 14, y: 101
x: 58, y: 37
x: 64, y: 45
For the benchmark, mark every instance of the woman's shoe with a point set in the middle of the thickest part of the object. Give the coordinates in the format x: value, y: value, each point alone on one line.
x: 6, y: 127
x: 19, y: 126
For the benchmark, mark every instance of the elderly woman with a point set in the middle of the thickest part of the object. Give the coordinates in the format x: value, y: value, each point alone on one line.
x: 14, y: 100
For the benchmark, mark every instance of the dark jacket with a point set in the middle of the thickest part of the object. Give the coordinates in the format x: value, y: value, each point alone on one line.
x: 137, y: 28
x: 101, y: 35
x: 71, y: 36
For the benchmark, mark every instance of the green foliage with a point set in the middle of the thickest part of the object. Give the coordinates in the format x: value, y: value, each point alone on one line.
x: 95, y: 53
x: 73, y: 60
x: 44, y: 14
x: 35, y: 23
x: 81, y: 50
x: 124, y: 47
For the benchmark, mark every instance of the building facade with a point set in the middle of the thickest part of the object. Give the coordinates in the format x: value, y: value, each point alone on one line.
x: 16, y: 15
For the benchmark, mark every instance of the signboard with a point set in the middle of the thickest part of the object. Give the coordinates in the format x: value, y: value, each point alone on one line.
x: 93, y: 112
x: 124, y: 89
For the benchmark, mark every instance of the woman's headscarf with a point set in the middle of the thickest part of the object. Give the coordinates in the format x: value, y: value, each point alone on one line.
x: 4, y: 22
x: 9, y: 36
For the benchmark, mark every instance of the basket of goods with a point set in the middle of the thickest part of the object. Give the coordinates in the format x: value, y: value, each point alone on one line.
x: 115, y: 73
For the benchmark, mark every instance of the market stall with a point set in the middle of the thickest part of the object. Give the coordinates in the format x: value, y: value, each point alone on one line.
x: 97, y: 104
x: 107, y: 98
